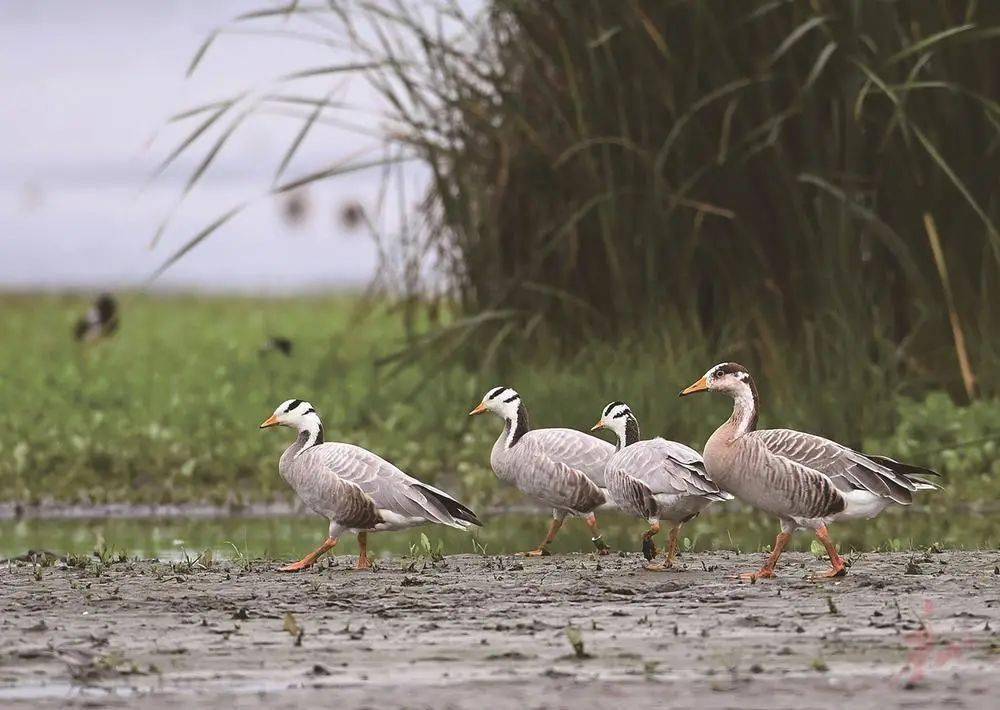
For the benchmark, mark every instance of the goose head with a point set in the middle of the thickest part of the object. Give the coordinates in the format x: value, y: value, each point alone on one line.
x: 501, y: 401
x: 726, y: 377
x: 614, y: 417
x: 618, y: 417
x: 293, y: 413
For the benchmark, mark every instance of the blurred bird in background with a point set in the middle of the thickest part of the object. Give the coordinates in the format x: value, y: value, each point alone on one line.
x: 277, y: 344
x: 100, y: 322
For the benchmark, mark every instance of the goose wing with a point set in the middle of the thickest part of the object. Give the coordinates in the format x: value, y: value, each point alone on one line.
x: 667, y: 467
x: 780, y: 484
x: 579, y: 451
x: 332, y: 496
x: 848, y: 469
x: 537, y: 471
x: 390, y: 488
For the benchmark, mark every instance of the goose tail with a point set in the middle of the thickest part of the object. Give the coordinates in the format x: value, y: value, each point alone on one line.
x: 462, y: 515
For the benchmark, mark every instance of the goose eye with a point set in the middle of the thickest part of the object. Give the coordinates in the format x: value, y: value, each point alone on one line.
x: 718, y: 373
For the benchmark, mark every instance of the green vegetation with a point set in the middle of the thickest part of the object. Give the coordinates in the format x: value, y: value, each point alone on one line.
x: 167, y: 410
x: 805, y: 187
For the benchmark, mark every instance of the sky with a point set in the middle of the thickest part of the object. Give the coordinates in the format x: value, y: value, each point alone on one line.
x: 87, y: 90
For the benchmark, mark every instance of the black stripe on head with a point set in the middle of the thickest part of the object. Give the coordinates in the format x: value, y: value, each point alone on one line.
x: 729, y: 368
x: 513, y: 398
x: 309, y: 411
x: 292, y: 405
x: 495, y: 392
x: 607, y: 410
x: 624, y: 413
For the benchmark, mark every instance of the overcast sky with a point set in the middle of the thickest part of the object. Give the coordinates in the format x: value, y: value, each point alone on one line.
x: 87, y: 87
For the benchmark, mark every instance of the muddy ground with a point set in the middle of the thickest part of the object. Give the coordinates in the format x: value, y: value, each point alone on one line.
x: 900, y: 630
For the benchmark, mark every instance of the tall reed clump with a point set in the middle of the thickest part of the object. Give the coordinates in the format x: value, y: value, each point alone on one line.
x: 750, y: 178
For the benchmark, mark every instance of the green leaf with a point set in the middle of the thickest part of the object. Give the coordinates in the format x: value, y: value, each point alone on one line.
x: 928, y: 42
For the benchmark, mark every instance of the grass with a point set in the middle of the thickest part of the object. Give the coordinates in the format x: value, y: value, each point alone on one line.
x: 167, y: 411
x: 781, y: 182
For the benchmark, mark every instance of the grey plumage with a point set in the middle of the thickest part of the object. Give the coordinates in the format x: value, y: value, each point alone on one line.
x: 359, y: 490
x: 804, y: 479
x: 847, y: 469
x: 744, y: 466
x: 578, y: 450
x: 660, y: 479
x: 552, y: 465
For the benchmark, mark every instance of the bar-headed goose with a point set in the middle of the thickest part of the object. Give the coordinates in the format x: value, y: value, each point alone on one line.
x: 805, y: 480
x: 357, y: 491
x: 655, y: 479
x: 561, y: 468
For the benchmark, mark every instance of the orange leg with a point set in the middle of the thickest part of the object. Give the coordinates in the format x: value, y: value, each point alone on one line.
x: 839, y: 567
x: 671, y: 551
x: 767, y: 570
x: 363, y: 561
x: 543, y: 549
x: 310, y: 559
x: 595, y: 535
x: 649, y: 550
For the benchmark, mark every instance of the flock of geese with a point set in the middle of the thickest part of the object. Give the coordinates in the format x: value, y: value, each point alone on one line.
x: 803, y: 479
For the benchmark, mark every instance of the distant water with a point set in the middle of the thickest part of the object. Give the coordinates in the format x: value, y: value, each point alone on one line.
x: 87, y: 89
x: 290, y: 536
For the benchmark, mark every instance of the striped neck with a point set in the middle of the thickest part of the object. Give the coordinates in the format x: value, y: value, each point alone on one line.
x: 627, y: 429
x: 745, y: 407
x: 310, y: 432
x: 631, y: 433
x: 516, y: 426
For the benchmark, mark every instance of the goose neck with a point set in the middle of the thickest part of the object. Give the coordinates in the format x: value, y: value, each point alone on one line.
x: 745, y: 409
x: 630, y: 434
x: 516, y: 426
x: 310, y: 433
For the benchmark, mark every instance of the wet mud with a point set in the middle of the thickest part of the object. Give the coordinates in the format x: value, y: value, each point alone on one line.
x: 902, y: 629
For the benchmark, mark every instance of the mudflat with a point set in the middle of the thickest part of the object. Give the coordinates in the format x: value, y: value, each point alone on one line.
x: 902, y: 629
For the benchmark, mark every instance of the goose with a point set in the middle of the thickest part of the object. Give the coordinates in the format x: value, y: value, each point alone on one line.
x: 805, y: 480
x: 655, y: 479
x: 561, y: 468
x: 356, y: 490
x: 101, y: 320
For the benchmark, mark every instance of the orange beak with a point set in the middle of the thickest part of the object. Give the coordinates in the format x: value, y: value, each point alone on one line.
x: 270, y: 421
x: 478, y: 410
x: 700, y: 386
x: 599, y: 425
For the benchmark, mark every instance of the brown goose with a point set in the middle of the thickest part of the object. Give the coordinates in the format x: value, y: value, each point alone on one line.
x: 805, y: 480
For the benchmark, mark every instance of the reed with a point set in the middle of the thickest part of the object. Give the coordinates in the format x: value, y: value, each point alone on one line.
x: 747, y: 180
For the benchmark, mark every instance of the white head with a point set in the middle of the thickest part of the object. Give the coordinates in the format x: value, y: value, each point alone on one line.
x: 614, y: 417
x: 618, y: 417
x: 502, y: 401
x: 294, y: 413
x: 727, y: 377
x: 300, y: 415
x: 734, y: 380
